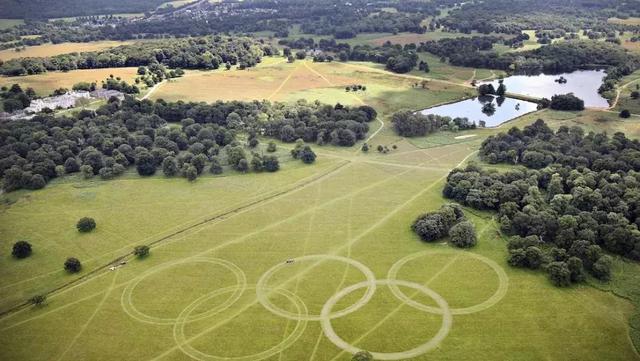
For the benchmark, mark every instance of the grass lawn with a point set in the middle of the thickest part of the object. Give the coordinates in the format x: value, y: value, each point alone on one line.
x: 9, y: 23
x: 348, y: 205
x: 45, y: 84
x: 628, y: 21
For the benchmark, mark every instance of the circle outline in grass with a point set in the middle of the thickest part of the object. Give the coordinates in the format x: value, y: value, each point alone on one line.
x: 129, y: 308
x: 503, y: 284
x: 182, y: 320
x: 264, y: 280
x: 330, y: 333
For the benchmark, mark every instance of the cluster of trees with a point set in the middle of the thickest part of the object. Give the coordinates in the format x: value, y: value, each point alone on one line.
x: 578, y: 196
x: 415, y: 124
x: 42, y: 9
x: 135, y: 133
x: 15, y: 98
x: 189, y: 53
x: 565, y: 56
x: 113, y: 83
x: 567, y: 102
x: 450, y: 221
x: 323, y: 124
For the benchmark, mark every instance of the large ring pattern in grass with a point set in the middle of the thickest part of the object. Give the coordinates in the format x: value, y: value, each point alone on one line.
x: 447, y: 320
x: 503, y: 284
x: 185, y: 316
x: 238, y: 289
x: 263, y: 296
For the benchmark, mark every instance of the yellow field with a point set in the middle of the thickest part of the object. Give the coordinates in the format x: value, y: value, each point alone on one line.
x: 57, y: 49
x: 45, y: 84
x: 629, y: 21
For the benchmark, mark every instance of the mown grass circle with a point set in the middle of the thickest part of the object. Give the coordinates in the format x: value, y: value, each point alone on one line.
x: 182, y: 320
x: 263, y: 297
x: 503, y: 284
x: 131, y: 310
x: 447, y: 321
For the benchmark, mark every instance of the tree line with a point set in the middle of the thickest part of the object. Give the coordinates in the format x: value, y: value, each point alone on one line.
x: 408, y: 123
x: 576, y: 197
x: 134, y: 133
x: 190, y: 53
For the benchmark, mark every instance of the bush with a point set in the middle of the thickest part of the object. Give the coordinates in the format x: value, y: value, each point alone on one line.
x: 21, y: 249
x: 271, y: 147
x: 559, y: 274
x: 72, y: 265
x: 601, y: 269
x: 86, y: 224
x: 141, y: 251
x: 463, y: 235
x: 307, y: 155
x: 362, y: 356
x: 625, y: 114
x: 38, y: 300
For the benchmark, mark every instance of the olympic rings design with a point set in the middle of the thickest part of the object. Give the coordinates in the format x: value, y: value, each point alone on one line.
x: 301, y: 314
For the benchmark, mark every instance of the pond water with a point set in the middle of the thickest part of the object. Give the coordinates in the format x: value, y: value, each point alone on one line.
x: 582, y: 83
x: 472, y: 109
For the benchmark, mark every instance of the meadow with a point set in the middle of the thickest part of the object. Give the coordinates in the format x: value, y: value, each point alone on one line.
x: 45, y: 84
x: 309, y: 263
x: 57, y: 49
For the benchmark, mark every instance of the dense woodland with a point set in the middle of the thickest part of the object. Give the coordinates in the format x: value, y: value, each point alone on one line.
x: 41, y: 9
x: 189, y: 53
x: 576, y: 196
x: 135, y: 133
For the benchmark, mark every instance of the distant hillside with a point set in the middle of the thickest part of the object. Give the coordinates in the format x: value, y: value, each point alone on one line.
x: 38, y: 9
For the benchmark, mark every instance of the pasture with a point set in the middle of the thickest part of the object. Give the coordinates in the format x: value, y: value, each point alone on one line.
x: 45, y: 84
x: 57, y: 49
x: 310, y: 263
x: 222, y: 289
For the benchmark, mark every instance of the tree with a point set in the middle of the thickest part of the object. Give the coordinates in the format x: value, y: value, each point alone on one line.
x: 190, y: 172
x: 21, y: 249
x: 145, y: 164
x: 87, y: 171
x: 72, y: 265
x: 271, y: 147
x: 38, y: 300
x: 559, y: 274
x: 463, y: 235
x: 365, y: 147
x: 502, y: 89
x: 271, y: 163
x: 215, y: 168
x: 242, y: 166
x: 566, y: 102
x: 625, y: 113
x: 362, y: 356
x: 141, y: 251
x: 602, y: 268
x: 169, y: 167
x: 307, y: 155
x: 86, y: 224
x: 486, y: 89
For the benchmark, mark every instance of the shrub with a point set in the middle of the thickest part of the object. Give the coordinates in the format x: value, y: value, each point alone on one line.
x: 463, y: 235
x: 559, y: 274
x: 307, y: 155
x: 141, y: 251
x: 625, y: 114
x: 362, y: 356
x: 38, y: 300
x: 72, y: 265
x: 271, y: 147
x: 21, y: 249
x: 86, y: 224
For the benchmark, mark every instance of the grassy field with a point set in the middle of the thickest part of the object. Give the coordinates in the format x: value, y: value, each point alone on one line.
x: 9, y: 23
x: 45, y: 84
x: 349, y: 214
x: 57, y: 49
x: 217, y: 285
x: 628, y: 21
x: 281, y: 81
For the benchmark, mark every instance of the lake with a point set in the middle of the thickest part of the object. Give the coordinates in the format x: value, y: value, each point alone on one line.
x: 505, y: 110
x: 582, y: 83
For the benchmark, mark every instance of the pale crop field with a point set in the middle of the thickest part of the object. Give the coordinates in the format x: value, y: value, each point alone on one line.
x: 57, y: 49
x: 44, y: 84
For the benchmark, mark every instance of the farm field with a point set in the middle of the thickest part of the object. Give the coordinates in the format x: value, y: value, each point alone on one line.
x: 57, y: 49
x: 9, y: 23
x: 45, y: 84
x: 346, y: 217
